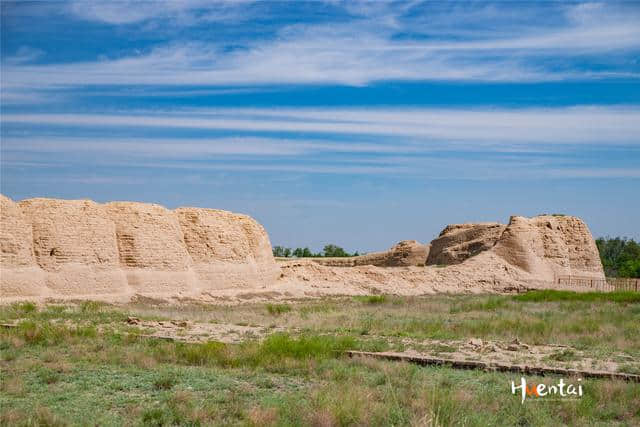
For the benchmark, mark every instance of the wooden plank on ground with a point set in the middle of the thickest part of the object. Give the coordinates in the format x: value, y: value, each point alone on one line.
x: 495, y: 366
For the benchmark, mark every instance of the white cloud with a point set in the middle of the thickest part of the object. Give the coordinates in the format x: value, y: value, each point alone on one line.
x: 24, y: 55
x: 583, y: 172
x: 575, y: 125
x: 457, y: 167
x: 362, y: 51
x: 21, y: 97
x: 428, y: 143
x: 183, y: 12
x: 190, y: 147
x: 159, y: 148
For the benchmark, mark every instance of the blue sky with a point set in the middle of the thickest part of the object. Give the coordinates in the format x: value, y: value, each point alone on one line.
x: 355, y: 123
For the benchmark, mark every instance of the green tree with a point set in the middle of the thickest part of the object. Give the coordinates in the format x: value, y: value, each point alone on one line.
x: 334, y: 251
x: 280, y: 251
x: 630, y: 268
x: 620, y: 256
x: 328, y: 251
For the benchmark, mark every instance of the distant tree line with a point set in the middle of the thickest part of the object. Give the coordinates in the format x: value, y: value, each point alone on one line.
x: 327, y: 251
x: 620, y: 256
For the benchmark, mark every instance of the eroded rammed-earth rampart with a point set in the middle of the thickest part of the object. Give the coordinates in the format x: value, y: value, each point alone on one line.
x: 58, y: 248
x: 54, y: 248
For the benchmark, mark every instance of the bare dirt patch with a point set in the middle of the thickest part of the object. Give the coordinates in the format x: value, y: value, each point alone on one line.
x: 193, y: 332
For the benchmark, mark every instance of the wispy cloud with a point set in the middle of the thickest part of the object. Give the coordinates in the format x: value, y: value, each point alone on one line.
x: 457, y: 167
x: 158, y: 147
x: 575, y: 125
x: 593, y: 172
x: 423, y: 143
x: 183, y: 12
x: 364, y: 50
x: 22, y: 96
x: 190, y: 147
x: 24, y: 55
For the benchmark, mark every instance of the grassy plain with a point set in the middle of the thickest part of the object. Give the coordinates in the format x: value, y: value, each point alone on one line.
x: 79, y: 364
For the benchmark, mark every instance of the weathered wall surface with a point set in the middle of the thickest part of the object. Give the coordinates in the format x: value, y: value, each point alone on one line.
x: 544, y: 247
x: 403, y: 254
x: 19, y: 273
x: 549, y: 246
x: 227, y: 249
x: 74, y: 244
x: 407, y: 253
x: 458, y: 242
x: 79, y: 248
x: 527, y: 253
x: 16, y: 239
x: 151, y: 248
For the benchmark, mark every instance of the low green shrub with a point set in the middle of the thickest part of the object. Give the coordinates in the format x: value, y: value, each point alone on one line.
x: 47, y: 375
x: 44, y: 333
x: 165, y: 381
x: 280, y: 346
x: 91, y: 306
x: 490, y: 304
x: 277, y: 309
x: 25, y: 307
x: 371, y: 299
x: 566, y: 355
x: 210, y: 353
x: 273, y: 350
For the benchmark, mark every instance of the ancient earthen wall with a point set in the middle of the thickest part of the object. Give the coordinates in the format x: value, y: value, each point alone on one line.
x: 74, y: 242
x: 82, y: 249
x: 228, y: 250
x: 458, y: 242
x: 66, y: 248
x: 544, y: 247
x: 151, y: 248
x: 19, y: 273
x: 403, y: 254
x: 550, y: 246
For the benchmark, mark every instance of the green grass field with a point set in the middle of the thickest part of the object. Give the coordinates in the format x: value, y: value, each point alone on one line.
x: 83, y: 364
